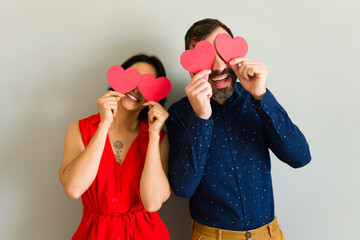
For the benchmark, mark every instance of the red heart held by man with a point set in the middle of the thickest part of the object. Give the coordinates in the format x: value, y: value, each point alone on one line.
x: 121, y: 80
x: 230, y: 48
x: 154, y: 89
x: 200, y: 58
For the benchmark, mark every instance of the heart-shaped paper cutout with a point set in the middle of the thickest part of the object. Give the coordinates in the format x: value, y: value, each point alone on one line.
x: 200, y: 58
x: 121, y: 80
x: 230, y: 48
x: 154, y: 89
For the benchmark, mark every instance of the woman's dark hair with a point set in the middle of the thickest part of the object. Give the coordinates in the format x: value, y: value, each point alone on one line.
x: 201, y: 29
x: 160, y: 72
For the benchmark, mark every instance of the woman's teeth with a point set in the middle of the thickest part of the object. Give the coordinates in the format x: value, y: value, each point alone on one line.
x: 132, y: 97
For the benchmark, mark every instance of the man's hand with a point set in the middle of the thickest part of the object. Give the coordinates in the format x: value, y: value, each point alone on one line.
x: 199, y: 93
x: 252, y: 75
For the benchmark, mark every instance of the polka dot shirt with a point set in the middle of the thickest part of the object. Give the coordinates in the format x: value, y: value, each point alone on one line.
x: 223, y: 164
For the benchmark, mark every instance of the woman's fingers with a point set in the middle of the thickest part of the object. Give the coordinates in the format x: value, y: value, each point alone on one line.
x: 157, y: 112
x: 114, y: 94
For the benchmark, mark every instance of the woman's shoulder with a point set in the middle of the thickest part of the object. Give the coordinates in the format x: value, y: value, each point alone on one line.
x: 88, y: 126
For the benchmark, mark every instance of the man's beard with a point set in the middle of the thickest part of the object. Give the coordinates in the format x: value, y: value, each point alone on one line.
x: 226, y: 92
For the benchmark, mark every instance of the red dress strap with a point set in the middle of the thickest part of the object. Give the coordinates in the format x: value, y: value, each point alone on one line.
x: 88, y: 127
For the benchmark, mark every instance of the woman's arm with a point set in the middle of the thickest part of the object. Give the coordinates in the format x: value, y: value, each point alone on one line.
x: 154, y: 185
x: 80, y: 165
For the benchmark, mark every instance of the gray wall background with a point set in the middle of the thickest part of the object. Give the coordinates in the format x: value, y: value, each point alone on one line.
x: 54, y: 56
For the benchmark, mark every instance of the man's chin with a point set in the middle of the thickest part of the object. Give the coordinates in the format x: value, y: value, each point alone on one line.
x: 223, y: 93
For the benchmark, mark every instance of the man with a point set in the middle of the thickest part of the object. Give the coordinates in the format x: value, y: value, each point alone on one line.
x: 220, y: 136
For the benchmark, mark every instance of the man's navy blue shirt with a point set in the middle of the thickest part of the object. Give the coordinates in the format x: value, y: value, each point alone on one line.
x: 223, y: 164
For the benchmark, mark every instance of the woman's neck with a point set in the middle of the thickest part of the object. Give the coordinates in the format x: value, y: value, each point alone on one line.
x: 125, y: 120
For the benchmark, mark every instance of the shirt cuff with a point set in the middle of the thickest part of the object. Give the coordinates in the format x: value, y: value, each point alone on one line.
x: 266, y: 104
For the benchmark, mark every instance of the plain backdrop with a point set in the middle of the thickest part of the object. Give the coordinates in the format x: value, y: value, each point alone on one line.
x: 54, y: 56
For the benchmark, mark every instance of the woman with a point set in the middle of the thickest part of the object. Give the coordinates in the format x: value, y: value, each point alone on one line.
x: 117, y: 161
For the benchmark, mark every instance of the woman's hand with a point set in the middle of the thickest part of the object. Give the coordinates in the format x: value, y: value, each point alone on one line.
x: 108, y: 106
x: 156, y: 117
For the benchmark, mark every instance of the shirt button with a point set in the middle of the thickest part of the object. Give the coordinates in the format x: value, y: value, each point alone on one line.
x: 117, y: 238
x: 248, y: 234
x: 235, y: 152
x: 114, y: 200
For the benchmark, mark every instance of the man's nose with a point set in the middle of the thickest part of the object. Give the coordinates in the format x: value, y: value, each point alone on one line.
x: 219, y: 64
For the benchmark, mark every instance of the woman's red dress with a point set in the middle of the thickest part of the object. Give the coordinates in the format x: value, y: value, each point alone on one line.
x: 112, y: 205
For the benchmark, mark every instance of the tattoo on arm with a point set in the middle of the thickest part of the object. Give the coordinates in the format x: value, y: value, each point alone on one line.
x: 118, y: 145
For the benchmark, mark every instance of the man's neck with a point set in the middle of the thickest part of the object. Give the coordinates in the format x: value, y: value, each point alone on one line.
x: 219, y: 101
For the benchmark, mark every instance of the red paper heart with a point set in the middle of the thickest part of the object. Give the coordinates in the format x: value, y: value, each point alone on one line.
x: 121, y: 80
x: 200, y: 58
x: 230, y: 48
x: 154, y: 89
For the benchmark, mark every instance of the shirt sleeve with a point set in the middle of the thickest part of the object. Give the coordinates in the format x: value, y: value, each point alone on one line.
x: 189, y: 143
x: 283, y: 137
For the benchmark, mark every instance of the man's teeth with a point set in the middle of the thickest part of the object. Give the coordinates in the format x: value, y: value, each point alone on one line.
x: 218, y: 79
x: 132, y: 97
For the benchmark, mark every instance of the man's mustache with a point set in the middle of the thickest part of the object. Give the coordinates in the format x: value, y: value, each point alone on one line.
x: 216, y: 73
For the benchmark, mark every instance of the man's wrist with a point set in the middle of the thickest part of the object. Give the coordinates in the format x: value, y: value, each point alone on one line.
x: 259, y: 96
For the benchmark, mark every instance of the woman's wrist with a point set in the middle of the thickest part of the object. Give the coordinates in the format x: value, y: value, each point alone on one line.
x: 154, y: 135
x: 105, y: 125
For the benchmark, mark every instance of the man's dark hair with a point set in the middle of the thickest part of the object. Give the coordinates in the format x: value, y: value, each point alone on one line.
x: 201, y: 29
x: 160, y: 72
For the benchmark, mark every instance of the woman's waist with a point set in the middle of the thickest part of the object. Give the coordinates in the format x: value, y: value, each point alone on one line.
x: 113, y: 212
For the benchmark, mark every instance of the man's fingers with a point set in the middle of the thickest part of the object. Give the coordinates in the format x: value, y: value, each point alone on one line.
x: 194, y: 85
x: 242, y: 72
x: 202, y: 86
x: 207, y: 92
x: 238, y: 60
x: 251, y: 71
x: 202, y: 74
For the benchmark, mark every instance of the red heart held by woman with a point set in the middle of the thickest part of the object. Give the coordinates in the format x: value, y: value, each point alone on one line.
x: 230, y: 48
x: 154, y: 89
x: 121, y: 80
x: 200, y: 58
